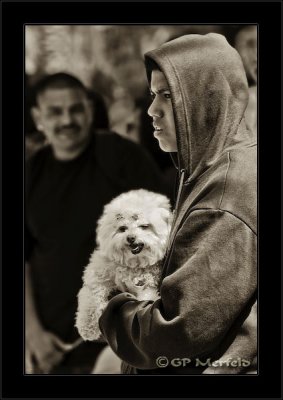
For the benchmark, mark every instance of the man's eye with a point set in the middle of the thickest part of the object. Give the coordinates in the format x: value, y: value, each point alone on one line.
x: 152, y: 95
x: 78, y: 108
x: 122, y: 229
x: 54, y: 112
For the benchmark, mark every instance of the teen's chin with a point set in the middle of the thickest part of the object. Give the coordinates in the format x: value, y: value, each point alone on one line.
x: 165, y: 146
x: 158, y: 134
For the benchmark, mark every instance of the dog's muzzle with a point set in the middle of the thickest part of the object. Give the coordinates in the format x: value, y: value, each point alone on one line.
x: 136, y: 248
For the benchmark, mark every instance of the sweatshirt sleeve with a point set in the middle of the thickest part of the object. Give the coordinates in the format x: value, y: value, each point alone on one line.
x: 210, y: 278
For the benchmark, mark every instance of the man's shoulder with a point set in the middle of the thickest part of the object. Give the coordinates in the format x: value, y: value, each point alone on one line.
x: 35, y: 166
x: 128, y: 163
x: 38, y: 157
x: 106, y: 138
x: 113, y: 149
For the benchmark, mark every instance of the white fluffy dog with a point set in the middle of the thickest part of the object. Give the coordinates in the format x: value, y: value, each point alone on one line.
x: 132, y: 235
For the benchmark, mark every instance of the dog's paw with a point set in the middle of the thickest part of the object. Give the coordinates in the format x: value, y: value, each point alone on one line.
x: 146, y: 293
x: 113, y: 293
x: 90, y: 334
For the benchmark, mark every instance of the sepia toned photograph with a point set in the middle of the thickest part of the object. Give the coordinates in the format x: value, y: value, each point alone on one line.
x: 140, y: 203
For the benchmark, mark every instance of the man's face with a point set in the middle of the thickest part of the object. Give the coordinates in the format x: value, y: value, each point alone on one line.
x: 64, y: 115
x: 161, y: 111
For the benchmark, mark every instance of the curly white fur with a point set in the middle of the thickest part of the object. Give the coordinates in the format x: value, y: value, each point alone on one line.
x: 132, y: 235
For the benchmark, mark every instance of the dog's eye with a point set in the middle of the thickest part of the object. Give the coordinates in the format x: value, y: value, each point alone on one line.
x: 122, y: 229
x: 145, y: 226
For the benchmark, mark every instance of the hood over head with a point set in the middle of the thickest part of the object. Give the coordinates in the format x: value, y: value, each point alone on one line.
x: 209, y: 94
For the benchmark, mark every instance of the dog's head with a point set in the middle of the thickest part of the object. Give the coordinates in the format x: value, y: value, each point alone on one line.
x: 134, y: 228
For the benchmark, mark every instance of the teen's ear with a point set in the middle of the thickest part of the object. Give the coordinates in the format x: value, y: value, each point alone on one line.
x: 36, y: 116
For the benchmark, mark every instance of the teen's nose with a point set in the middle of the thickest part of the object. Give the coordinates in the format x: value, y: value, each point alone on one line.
x: 154, y: 109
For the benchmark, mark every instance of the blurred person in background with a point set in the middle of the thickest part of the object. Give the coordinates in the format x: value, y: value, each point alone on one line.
x: 67, y: 183
x: 35, y: 139
x: 246, y: 45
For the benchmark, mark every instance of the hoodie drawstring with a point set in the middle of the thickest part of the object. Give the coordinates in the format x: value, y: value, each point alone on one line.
x: 182, y: 176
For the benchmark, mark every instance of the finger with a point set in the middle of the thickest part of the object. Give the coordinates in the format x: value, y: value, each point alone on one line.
x: 57, y: 341
x: 28, y: 362
x: 43, y: 366
x: 49, y: 361
x: 60, y: 345
x: 55, y: 360
x: 66, y: 346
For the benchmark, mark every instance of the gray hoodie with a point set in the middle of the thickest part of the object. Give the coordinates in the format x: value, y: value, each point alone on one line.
x: 209, y: 278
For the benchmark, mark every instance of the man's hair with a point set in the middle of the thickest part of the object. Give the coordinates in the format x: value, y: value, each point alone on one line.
x: 60, y: 80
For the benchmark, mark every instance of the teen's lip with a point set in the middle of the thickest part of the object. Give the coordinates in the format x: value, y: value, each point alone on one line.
x: 157, y: 128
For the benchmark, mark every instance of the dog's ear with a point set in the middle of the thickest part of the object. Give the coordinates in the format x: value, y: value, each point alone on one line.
x: 166, y: 215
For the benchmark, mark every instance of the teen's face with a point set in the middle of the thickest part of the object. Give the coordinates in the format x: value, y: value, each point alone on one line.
x: 161, y: 111
x: 64, y: 115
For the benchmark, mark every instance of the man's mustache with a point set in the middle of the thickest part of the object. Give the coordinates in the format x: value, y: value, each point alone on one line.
x: 61, y: 129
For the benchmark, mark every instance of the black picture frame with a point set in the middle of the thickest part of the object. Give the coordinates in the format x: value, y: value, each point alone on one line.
x: 264, y: 385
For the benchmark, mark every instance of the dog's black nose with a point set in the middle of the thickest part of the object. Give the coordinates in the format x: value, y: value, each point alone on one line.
x: 131, y: 239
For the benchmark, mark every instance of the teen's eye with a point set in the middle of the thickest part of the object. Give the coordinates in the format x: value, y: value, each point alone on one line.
x: 122, y: 229
x: 152, y: 95
x: 144, y: 226
x: 167, y: 95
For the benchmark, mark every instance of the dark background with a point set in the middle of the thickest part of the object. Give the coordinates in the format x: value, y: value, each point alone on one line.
x: 267, y: 383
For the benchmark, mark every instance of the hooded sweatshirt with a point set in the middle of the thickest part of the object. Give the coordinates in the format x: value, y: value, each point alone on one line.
x: 209, y: 277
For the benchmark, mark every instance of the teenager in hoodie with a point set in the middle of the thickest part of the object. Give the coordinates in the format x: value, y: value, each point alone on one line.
x: 209, y: 281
